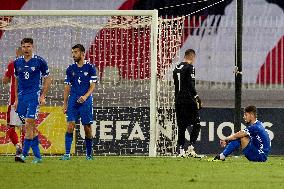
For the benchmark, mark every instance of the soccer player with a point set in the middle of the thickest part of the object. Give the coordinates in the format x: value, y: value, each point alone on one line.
x: 187, y: 103
x: 13, y: 119
x: 254, y: 140
x: 78, y: 100
x: 30, y: 71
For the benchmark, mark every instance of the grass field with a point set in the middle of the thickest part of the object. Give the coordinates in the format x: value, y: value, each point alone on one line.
x: 141, y: 172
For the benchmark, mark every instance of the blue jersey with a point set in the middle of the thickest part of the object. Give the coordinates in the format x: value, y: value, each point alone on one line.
x: 259, y: 137
x: 29, y: 74
x: 80, y: 78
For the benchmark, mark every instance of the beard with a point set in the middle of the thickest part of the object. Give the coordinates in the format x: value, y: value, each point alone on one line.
x: 247, y: 122
x: 77, y: 59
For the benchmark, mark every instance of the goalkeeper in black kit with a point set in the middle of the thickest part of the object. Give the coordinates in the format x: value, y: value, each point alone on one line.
x: 187, y: 103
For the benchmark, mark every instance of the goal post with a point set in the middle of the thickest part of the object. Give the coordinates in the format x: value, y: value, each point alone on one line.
x: 133, y: 51
x: 153, y: 91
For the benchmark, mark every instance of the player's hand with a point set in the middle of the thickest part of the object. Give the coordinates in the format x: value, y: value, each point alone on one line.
x: 223, y: 143
x: 64, y: 108
x: 198, y: 102
x: 42, y: 100
x: 82, y: 99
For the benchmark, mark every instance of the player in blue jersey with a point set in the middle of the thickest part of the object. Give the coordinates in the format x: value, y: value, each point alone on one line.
x: 254, y: 140
x: 78, y: 100
x: 30, y: 72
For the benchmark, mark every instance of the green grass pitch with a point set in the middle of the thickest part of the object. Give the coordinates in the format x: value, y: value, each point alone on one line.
x: 141, y: 172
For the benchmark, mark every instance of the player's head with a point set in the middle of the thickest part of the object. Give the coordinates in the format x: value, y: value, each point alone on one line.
x: 250, y: 114
x: 78, y: 52
x: 19, y: 52
x: 189, y: 55
x: 27, y: 46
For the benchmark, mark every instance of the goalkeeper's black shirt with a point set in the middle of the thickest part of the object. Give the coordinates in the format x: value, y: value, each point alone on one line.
x: 184, y: 80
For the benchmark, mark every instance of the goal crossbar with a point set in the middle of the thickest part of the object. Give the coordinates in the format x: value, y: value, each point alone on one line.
x: 152, y: 13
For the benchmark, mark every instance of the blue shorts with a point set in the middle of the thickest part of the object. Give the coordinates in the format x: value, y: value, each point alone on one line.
x: 28, y: 106
x: 77, y: 110
x: 252, y: 153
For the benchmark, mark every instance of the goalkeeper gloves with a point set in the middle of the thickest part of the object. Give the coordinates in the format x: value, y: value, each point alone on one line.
x: 198, y: 102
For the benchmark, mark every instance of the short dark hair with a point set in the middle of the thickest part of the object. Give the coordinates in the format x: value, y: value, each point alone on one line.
x: 27, y: 40
x: 79, y: 46
x: 251, y: 109
x: 189, y: 52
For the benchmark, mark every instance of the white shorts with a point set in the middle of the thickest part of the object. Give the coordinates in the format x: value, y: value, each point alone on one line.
x: 14, y: 118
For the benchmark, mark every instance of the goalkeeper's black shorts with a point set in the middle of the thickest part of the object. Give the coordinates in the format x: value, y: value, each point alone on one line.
x: 186, y: 115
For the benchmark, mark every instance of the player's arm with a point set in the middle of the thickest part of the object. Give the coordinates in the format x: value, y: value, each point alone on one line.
x: 191, y: 81
x: 235, y: 136
x: 46, y: 81
x: 192, y: 89
x: 176, y: 83
x: 88, y: 93
x: 46, y: 85
x: 16, y: 74
x: 66, y: 93
x: 8, y: 74
x: 93, y: 81
x: 67, y: 88
x: 16, y: 94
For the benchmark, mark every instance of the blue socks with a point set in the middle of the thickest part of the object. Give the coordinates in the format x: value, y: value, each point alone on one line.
x: 231, y: 147
x: 89, y: 146
x: 34, y: 144
x: 27, y: 145
x: 35, y: 147
x: 68, y: 142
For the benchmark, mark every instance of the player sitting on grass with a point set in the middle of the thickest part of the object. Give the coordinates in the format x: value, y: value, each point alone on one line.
x: 254, y: 140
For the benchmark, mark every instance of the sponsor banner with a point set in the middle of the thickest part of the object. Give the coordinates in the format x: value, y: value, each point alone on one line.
x: 51, y: 127
x: 125, y: 131
x: 118, y: 131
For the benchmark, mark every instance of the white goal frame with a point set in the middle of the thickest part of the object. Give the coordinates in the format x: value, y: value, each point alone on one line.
x: 153, y: 47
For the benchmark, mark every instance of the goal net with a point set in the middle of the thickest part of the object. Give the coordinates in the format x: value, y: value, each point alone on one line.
x: 134, y: 53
